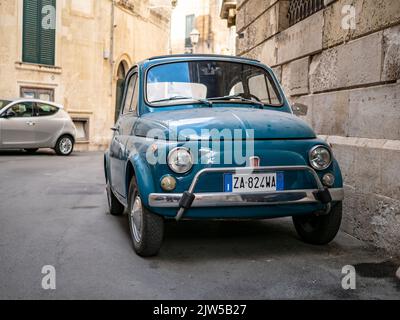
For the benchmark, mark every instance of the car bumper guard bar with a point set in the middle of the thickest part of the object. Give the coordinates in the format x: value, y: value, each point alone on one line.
x: 190, y: 199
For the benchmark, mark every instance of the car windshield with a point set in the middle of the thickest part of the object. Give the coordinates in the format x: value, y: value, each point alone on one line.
x: 3, y: 103
x: 199, y: 81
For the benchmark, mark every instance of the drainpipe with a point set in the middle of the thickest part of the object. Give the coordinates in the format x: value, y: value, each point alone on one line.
x: 112, y: 45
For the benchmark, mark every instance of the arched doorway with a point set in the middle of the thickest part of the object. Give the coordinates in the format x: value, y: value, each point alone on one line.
x: 121, y: 73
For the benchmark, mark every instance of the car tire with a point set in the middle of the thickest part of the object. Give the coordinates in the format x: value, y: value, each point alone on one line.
x: 114, y: 206
x: 146, y: 228
x: 319, y: 230
x: 64, y: 146
x: 31, y: 151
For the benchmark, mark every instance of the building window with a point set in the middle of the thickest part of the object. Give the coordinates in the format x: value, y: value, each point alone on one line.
x: 37, y: 93
x: 189, y: 29
x: 301, y: 9
x: 82, y: 129
x: 39, y: 34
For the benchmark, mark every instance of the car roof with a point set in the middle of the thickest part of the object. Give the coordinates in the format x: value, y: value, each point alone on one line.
x: 195, y: 57
x: 19, y: 100
x: 202, y: 56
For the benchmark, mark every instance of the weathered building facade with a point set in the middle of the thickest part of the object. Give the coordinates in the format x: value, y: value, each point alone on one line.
x: 341, y: 58
x: 78, y: 57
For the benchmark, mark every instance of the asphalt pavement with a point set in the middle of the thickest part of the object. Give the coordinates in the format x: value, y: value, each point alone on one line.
x: 53, y: 212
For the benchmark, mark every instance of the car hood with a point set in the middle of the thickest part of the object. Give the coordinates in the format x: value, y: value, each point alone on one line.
x: 198, y: 123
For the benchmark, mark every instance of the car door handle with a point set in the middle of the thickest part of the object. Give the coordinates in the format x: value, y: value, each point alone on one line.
x: 30, y: 123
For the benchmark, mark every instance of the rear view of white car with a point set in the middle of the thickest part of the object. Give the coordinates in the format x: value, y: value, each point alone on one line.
x: 30, y: 124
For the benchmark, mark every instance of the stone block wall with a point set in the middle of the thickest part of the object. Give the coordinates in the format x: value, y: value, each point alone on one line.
x: 350, y: 80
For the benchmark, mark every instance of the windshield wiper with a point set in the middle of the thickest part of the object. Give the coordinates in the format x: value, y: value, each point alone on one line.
x: 203, y: 101
x: 238, y: 97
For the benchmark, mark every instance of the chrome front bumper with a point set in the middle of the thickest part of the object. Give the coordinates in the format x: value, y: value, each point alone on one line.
x: 220, y: 199
x: 190, y: 199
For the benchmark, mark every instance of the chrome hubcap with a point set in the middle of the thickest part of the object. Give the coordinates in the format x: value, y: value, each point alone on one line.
x: 65, y: 145
x: 136, y: 219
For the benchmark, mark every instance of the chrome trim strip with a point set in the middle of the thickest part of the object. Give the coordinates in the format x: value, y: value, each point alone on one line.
x: 221, y: 199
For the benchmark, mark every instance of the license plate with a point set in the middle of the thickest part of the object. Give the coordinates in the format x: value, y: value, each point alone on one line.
x: 250, y: 183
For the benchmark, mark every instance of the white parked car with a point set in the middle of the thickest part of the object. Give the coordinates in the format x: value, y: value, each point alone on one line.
x: 30, y: 124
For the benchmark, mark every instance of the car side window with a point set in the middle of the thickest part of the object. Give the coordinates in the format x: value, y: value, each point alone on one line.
x: 43, y: 110
x: 22, y: 110
x: 261, y: 87
x: 273, y: 94
x: 134, y: 103
x: 129, y: 94
x: 237, y: 89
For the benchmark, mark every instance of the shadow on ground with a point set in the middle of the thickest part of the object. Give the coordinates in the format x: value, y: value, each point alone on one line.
x: 21, y: 153
x: 219, y: 240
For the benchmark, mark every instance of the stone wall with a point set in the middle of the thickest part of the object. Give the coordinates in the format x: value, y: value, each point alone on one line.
x: 349, y: 79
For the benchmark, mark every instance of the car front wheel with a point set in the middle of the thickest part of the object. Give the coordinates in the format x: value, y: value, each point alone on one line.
x: 64, y: 146
x: 146, y: 228
x: 319, y: 230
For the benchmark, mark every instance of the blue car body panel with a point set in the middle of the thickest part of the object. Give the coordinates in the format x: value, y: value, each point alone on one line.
x: 280, y: 139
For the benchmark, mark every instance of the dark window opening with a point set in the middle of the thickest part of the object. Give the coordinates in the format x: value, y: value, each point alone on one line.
x: 121, y: 73
x: 301, y: 9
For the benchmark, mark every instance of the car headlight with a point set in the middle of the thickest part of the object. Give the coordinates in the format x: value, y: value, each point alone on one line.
x: 320, y: 158
x: 180, y: 160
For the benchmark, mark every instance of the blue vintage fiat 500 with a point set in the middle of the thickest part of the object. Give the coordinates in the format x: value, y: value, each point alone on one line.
x: 214, y: 137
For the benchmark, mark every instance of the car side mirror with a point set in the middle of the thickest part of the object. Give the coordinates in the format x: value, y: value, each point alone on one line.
x: 299, y: 109
x: 8, y: 114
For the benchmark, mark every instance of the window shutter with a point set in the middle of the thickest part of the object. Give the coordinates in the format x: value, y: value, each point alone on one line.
x: 38, y: 43
x: 47, y: 38
x: 31, y: 31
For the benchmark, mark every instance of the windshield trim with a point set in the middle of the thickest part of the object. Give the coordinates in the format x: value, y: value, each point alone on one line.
x: 193, y: 102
